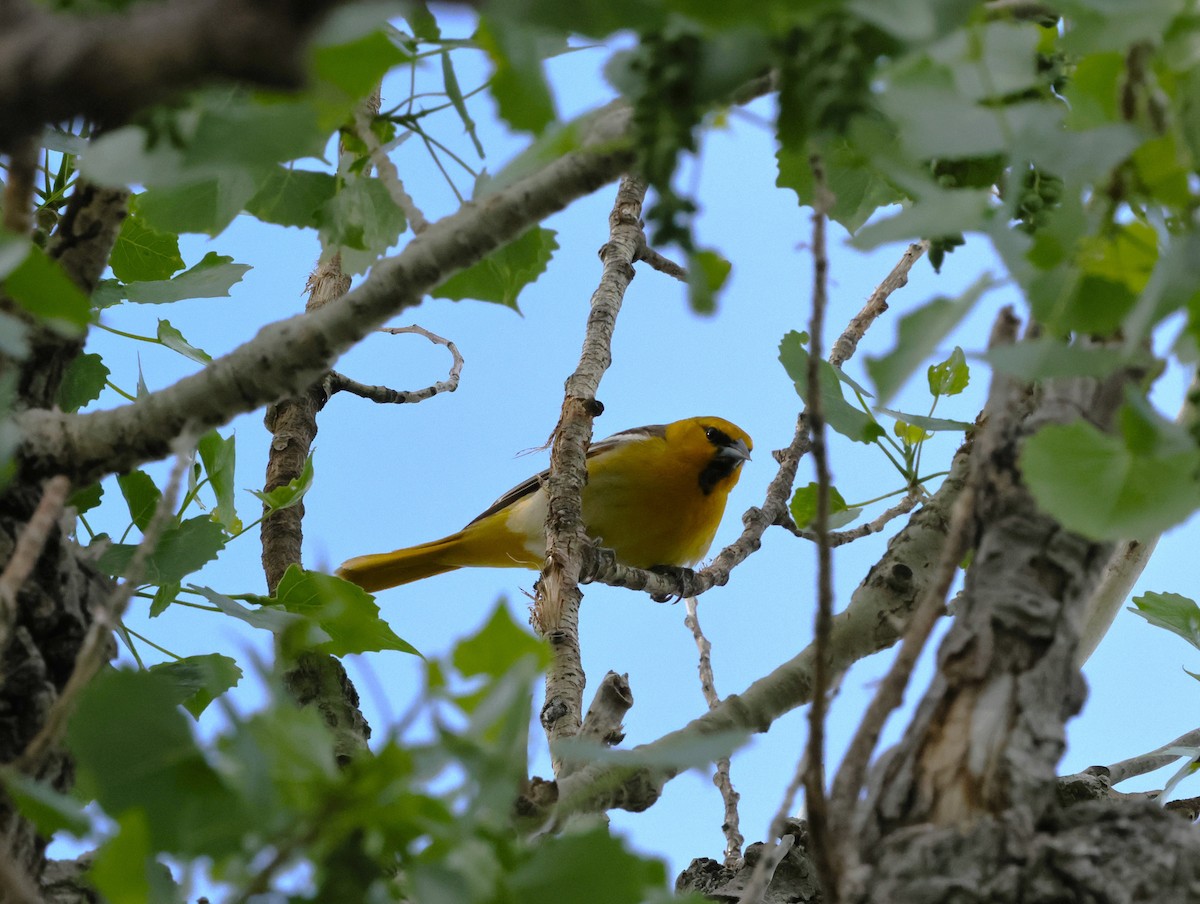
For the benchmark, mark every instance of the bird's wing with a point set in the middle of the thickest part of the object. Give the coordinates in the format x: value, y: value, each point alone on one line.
x: 534, y: 483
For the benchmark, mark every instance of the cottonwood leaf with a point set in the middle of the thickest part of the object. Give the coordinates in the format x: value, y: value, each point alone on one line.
x: 803, y: 508
x: 502, y: 275
x: 292, y: 197
x: 141, y: 496
x: 495, y: 647
x: 39, y: 285
x: 925, y: 422
x: 181, y: 550
x: 212, y: 277
x: 291, y: 492
x: 82, y: 382
x: 591, y: 867
x: 344, y: 611
x: 949, y: 377
x: 198, y: 680
x: 1045, y: 358
x: 220, y: 456
x: 51, y: 811
x: 707, y: 273
x: 518, y: 82
x: 144, y: 253
x: 1178, y: 614
x: 841, y: 416
x: 173, y: 339
x: 205, y: 205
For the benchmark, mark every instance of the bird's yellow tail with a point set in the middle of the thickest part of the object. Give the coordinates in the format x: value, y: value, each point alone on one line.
x: 390, y: 569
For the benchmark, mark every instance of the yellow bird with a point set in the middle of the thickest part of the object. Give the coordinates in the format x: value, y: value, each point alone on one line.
x: 654, y: 495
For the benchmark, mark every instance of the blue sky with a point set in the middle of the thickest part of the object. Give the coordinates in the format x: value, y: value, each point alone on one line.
x: 390, y: 476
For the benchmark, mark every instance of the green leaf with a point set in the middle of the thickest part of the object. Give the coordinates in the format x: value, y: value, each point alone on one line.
x: 86, y: 498
x: 352, y: 68
x: 125, y: 871
x: 843, y: 417
x: 13, y: 251
x: 180, y: 551
x: 212, y: 277
x: 143, y: 253
x: 292, y: 197
x: 950, y: 377
x: 935, y: 212
x: 219, y: 456
x: 502, y: 275
x: 51, y: 811
x: 591, y: 867
x: 924, y: 422
x: 454, y: 92
x: 164, y: 595
x: 804, y: 508
x: 707, y: 272
x: 198, y: 680
x: 290, y: 493
x: 82, y: 383
x: 141, y: 495
x: 518, y: 83
x: 1045, y: 358
x: 858, y: 188
x: 39, y: 285
x: 495, y: 647
x: 135, y: 753
x: 361, y: 221
x: 173, y: 339
x: 267, y: 617
x: 1176, y: 613
x: 919, y: 334
x: 1111, y: 487
x: 205, y: 205
x: 247, y: 131
x: 346, y: 612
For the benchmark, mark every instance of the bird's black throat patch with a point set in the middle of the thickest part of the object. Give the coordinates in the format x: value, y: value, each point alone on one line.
x: 719, y: 466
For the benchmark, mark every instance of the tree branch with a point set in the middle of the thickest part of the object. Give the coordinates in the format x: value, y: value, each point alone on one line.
x: 49, y: 62
x: 556, y: 607
x: 383, y: 395
x: 289, y: 355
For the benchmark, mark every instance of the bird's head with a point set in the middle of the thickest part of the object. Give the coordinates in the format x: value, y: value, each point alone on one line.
x: 722, y: 446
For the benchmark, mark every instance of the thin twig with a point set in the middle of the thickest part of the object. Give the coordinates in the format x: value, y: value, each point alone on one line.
x: 663, y: 264
x: 842, y: 537
x: 556, y: 608
x: 824, y: 847
x: 1146, y: 762
x: 764, y: 869
x: 385, y: 395
x: 388, y: 174
x: 30, y: 543
x: 876, y: 304
x: 721, y: 777
x: 94, y: 652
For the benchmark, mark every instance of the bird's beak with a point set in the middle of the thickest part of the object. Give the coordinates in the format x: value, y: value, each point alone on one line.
x: 737, y: 450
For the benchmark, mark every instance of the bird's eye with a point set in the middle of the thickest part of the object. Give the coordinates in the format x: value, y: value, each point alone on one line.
x: 711, y: 433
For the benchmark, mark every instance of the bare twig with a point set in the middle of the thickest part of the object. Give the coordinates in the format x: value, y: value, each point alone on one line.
x: 721, y: 776
x: 30, y: 543
x: 662, y: 264
x: 556, y: 609
x: 337, y: 382
x: 824, y: 849
x: 95, y: 650
x: 876, y: 304
x: 388, y: 174
x: 764, y: 869
x: 1146, y: 762
x: 842, y: 537
x: 605, y: 715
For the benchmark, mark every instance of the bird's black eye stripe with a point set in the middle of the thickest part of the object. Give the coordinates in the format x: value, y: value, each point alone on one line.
x: 717, y: 437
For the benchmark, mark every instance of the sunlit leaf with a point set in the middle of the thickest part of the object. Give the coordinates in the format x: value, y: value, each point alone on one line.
x: 180, y: 551
x: 141, y: 495
x: 1178, y: 614
x: 219, y: 456
x: 842, y: 416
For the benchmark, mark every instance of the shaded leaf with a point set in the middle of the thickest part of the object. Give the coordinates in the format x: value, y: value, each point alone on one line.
x: 212, y: 277
x: 83, y: 382
x: 291, y: 492
x: 198, y: 680
x: 292, y: 197
x: 51, y: 811
x: 180, y: 551
x: 86, y: 498
x: 143, y: 253
x: 39, y: 285
x: 707, y: 272
x: 141, y: 495
x: 843, y: 417
x: 495, y: 647
x: 1044, y: 358
x: 173, y: 339
x: 219, y: 456
x: 502, y: 275
x: 591, y: 867
x: 925, y: 422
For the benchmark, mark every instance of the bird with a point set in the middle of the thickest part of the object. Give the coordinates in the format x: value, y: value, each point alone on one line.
x: 654, y: 495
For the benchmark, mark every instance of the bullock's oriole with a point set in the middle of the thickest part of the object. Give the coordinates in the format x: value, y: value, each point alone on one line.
x: 654, y: 495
